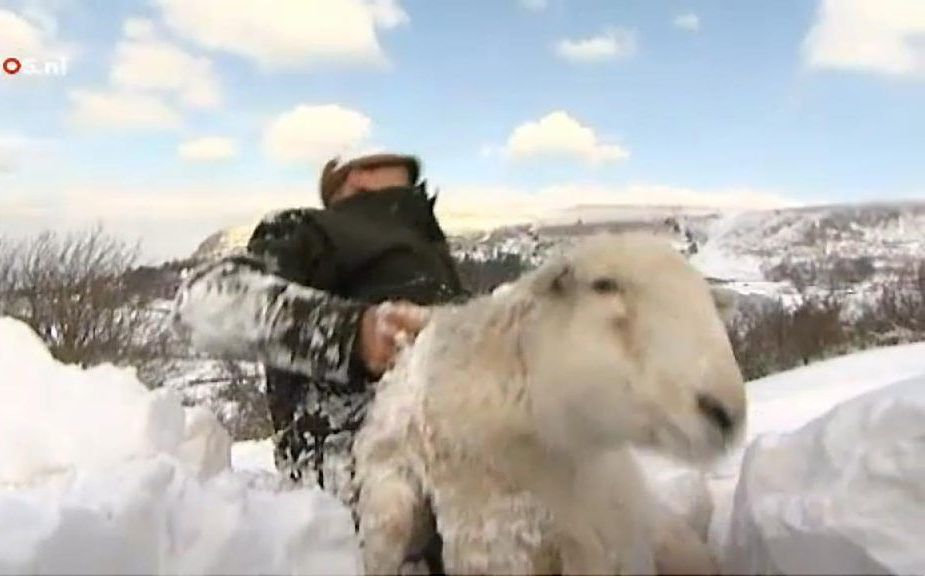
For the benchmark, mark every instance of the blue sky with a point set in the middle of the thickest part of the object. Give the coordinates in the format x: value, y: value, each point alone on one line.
x: 174, y: 118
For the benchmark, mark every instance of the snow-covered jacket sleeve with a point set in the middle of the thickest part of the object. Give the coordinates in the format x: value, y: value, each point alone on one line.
x: 259, y: 305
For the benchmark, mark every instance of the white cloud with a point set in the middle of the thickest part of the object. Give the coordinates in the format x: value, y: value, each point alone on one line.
x: 688, y: 21
x: 20, y: 37
x: 612, y: 44
x: 648, y: 194
x: 11, y: 148
x: 148, y: 78
x: 121, y: 110
x: 884, y: 37
x: 20, y: 153
x: 208, y: 149
x: 30, y: 35
x: 315, y: 133
x: 474, y: 207
x: 139, y: 29
x: 387, y: 14
x: 145, y: 62
x: 559, y: 135
x: 293, y: 34
x: 170, y: 221
x: 535, y: 5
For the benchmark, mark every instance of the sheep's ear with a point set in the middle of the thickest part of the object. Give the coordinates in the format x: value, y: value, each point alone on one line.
x: 726, y: 301
x: 555, y: 278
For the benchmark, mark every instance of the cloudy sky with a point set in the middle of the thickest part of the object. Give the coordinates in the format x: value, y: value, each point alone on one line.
x: 167, y: 119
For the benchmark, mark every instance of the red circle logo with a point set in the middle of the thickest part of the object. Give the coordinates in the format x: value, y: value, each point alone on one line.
x: 12, y: 65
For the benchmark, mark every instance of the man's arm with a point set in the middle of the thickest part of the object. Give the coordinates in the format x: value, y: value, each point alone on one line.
x: 259, y: 306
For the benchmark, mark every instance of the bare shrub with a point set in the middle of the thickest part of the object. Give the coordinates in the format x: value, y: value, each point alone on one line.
x: 847, y: 271
x: 69, y: 288
x: 800, y: 274
x: 248, y: 415
x: 7, y: 264
x: 897, y: 313
x: 822, y: 270
x: 483, y: 276
x: 776, y: 338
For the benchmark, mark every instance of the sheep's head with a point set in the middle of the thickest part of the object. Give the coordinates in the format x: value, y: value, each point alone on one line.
x: 625, y: 343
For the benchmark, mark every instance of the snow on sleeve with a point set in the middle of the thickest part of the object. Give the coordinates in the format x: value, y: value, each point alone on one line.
x: 237, y: 308
x: 841, y: 495
x: 98, y: 475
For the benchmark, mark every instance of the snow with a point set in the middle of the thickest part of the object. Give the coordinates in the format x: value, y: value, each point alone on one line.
x: 842, y: 495
x: 870, y: 517
x: 50, y: 419
x: 788, y: 400
x: 716, y: 259
x: 798, y: 513
x: 100, y: 475
x: 253, y: 456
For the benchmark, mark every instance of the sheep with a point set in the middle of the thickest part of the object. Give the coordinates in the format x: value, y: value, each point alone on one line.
x: 510, y: 420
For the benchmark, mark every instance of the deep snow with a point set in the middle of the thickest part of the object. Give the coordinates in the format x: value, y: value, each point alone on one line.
x: 787, y: 403
x: 99, y: 475
x: 842, y: 495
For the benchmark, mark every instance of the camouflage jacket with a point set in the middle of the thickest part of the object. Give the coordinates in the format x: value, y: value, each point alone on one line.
x: 293, y: 301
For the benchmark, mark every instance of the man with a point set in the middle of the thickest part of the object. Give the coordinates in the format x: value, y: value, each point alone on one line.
x: 324, y: 298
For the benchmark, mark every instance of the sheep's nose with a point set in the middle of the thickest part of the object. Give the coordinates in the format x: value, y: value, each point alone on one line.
x: 716, y: 413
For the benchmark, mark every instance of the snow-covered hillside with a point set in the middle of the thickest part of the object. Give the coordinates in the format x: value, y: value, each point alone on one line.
x: 742, y: 246
x: 99, y: 475
x: 762, y: 255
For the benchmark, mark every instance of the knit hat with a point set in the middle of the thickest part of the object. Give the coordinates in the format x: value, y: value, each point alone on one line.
x: 335, y: 172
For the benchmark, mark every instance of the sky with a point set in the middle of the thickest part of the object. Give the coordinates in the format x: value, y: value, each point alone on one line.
x: 166, y: 120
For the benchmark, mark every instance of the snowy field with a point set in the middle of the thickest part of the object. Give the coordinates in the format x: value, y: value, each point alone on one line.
x: 99, y: 475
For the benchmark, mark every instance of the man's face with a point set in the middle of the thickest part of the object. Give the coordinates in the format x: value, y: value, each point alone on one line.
x: 372, y: 179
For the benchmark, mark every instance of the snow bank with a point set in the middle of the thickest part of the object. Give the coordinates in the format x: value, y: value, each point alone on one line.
x: 253, y: 456
x: 99, y: 475
x: 844, y: 494
x: 54, y: 417
x: 784, y: 403
x: 150, y: 516
x: 790, y: 402
x: 791, y: 399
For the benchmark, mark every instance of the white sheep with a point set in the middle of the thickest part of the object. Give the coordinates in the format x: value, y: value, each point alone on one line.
x: 509, y: 421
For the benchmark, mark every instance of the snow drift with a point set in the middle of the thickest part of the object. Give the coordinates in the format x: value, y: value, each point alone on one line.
x: 841, y: 495
x: 831, y: 481
x: 99, y: 475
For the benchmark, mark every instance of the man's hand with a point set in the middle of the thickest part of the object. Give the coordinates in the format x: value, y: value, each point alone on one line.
x: 384, y: 329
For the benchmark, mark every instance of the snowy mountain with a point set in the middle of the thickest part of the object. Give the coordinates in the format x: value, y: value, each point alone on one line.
x: 743, y: 246
x: 765, y: 256
x: 223, y: 242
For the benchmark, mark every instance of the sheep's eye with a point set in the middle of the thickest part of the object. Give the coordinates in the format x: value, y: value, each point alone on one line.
x: 605, y: 285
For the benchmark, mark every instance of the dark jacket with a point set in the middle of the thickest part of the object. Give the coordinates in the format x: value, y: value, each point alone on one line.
x: 294, y: 300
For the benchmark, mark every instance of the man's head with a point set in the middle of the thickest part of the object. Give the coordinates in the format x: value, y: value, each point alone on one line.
x: 368, y: 173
